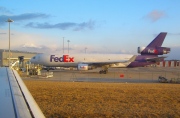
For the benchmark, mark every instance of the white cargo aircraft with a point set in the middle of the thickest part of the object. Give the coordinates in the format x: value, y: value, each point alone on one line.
x: 149, y: 55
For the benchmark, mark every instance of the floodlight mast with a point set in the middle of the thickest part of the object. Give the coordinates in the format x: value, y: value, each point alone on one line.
x: 63, y: 45
x: 85, y: 49
x: 68, y: 45
x: 9, y: 21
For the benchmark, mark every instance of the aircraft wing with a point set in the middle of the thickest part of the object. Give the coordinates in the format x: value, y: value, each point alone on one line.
x: 156, y: 59
x: 110, y: 62
x: 15, y: 99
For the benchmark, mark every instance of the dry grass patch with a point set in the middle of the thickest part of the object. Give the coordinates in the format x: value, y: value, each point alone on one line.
x: 68, y: 99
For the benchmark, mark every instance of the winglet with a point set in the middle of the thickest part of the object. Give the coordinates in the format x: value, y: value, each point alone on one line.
x: 133, y: 58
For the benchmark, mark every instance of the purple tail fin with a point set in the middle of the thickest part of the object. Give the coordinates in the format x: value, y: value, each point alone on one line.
x: 157, y: 42
x: 154, y: 48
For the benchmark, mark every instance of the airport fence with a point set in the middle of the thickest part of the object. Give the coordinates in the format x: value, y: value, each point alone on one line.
x: 128, y: 75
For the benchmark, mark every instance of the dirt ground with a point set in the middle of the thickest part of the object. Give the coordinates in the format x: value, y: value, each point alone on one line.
x: 106, y: 100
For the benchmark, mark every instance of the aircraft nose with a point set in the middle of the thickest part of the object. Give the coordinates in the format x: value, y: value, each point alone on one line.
x: 32, y: 60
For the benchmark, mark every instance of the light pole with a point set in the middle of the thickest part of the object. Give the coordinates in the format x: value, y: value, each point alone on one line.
x: 63, y: 45
x: 68, y: 45
x: 85, y: 49
x: 9, y: 20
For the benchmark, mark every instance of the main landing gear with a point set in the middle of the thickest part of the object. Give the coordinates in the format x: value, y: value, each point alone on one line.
x: 103, y: 71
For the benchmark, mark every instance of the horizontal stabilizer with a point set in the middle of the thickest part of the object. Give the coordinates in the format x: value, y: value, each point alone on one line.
x: 156, y: 59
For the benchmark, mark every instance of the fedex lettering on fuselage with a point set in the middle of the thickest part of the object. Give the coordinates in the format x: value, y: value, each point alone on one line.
x: 64, y: 58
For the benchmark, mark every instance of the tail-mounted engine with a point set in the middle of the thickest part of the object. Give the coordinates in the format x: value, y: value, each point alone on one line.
x: 153, y: 51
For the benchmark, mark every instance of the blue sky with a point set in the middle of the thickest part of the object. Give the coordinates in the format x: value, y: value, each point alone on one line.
x: 102, y: 26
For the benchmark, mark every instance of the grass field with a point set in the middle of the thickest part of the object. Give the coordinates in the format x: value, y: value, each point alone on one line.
x: 74, y: 100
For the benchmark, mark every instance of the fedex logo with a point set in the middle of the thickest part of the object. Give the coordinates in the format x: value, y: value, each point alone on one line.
x: 64, y: 58
x: 152, y: 51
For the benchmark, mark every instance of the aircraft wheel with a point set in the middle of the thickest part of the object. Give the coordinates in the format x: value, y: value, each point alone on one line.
x: 100, y: 72
x: 103, y: 71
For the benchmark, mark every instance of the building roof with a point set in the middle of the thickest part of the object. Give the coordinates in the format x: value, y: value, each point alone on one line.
x: 17, y: 51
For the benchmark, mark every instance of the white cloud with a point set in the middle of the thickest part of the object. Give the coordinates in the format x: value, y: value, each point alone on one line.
x: 155, y: 15
x: 20, y: 39
x: 30, y: 45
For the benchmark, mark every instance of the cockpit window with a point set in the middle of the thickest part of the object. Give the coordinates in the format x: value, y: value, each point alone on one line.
x: 34, y: 57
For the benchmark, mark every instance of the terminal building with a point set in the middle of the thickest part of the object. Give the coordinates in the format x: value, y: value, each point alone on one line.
x: 4, y: 56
